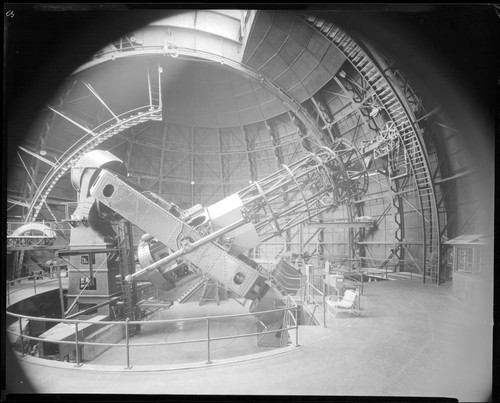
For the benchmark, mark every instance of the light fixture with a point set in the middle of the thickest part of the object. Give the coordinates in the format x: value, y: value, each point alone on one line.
x: 342, y: 73
x: 192, y: 182
x: 43, y: 152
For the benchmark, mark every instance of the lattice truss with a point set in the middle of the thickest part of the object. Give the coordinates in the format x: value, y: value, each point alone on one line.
x: 295, y: 194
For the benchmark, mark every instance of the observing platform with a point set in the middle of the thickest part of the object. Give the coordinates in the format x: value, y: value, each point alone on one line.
x: 410, y: 339
x: 21, y: 290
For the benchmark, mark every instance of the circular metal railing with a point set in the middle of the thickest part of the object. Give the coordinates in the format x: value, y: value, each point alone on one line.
x: 290, y: 323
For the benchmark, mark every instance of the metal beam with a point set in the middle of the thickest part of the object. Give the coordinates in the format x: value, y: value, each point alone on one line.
x: 36, y: 155
x: 221, y: 160
x: 369, y: 255
x: 192, y: 166
x: 94, y: 92
x: 247, y: 148
x: 354, y: 105
x: 390, y: 243
x: 413, y: 259
x: 323, y: 114
x: 72, y: 121
x: 346, y: 224
x: 17, y: 202
x: 162, y: 159
x: 318, y: 229
x: 27, y: 170
x: 383, y: 214
x: 454, y: 177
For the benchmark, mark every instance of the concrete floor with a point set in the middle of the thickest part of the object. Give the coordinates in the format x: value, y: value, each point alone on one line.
x: 189, y: 353
x: 411, y: 340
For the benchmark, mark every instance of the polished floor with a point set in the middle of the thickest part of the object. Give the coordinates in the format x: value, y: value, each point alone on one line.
x: 410, y: 340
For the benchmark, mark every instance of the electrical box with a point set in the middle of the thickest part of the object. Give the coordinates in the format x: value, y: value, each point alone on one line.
x: 335, y: 282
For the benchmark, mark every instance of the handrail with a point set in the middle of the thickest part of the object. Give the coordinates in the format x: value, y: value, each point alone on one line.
x: 126, y: 343
x: 87, y: 142
x: 160, y: 343
x: 390, y: 97
x: 308, y: 297
x: 358, y: 283
x: 33, y: 284
x: 139, y: 322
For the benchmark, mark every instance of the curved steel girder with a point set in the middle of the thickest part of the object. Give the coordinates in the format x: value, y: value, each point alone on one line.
x: 71, y: 156
x: 180, y: 52
x: 388, y: 95
x: 66, y: 160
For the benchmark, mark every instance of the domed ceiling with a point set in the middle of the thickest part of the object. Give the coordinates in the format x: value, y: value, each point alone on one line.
x: 203, y: 94
x: 201, y: 103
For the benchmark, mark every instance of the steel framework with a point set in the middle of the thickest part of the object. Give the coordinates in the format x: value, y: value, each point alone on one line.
x: 389, y: 97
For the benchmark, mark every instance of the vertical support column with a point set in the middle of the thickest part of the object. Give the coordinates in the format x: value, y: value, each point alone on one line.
x: 301, y: 240
x: 61, y: 299
x: 297, y: 327
x: 396, y: 186
x: 129, y: 153
x: 160, y: 100
x: 21, y: 336
x: 253, y: 175
x: 221, y: 160
x: 77, y: 347
x: 275, y: 139
x: 208, y: 341
x: 358, y: 235
x: 301, y: 131
x: 324, y: 115
x: 162, y: 158
x: 192, y: 166
x: 127, y: 343
x: 150, y: 93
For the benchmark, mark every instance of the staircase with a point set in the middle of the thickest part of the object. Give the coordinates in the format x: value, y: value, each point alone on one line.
x: 71, y: 156
x: 213, y: 291
x: 409, y: 138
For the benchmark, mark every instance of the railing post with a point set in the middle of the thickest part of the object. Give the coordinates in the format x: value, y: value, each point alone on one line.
x: 127, y: 343
x: 61, y: 297
x: 208, y: 341
x: 8, y: 292
x: 77, y: 347
x: 296, y: 327
x: 324, y: 310
x: 34, y: 283
x: 21, y: 335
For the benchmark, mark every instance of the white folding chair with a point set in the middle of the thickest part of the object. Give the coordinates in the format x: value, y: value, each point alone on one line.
x: 347, y: 303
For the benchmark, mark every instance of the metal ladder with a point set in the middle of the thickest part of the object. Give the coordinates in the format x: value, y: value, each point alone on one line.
x: 407, y: 134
